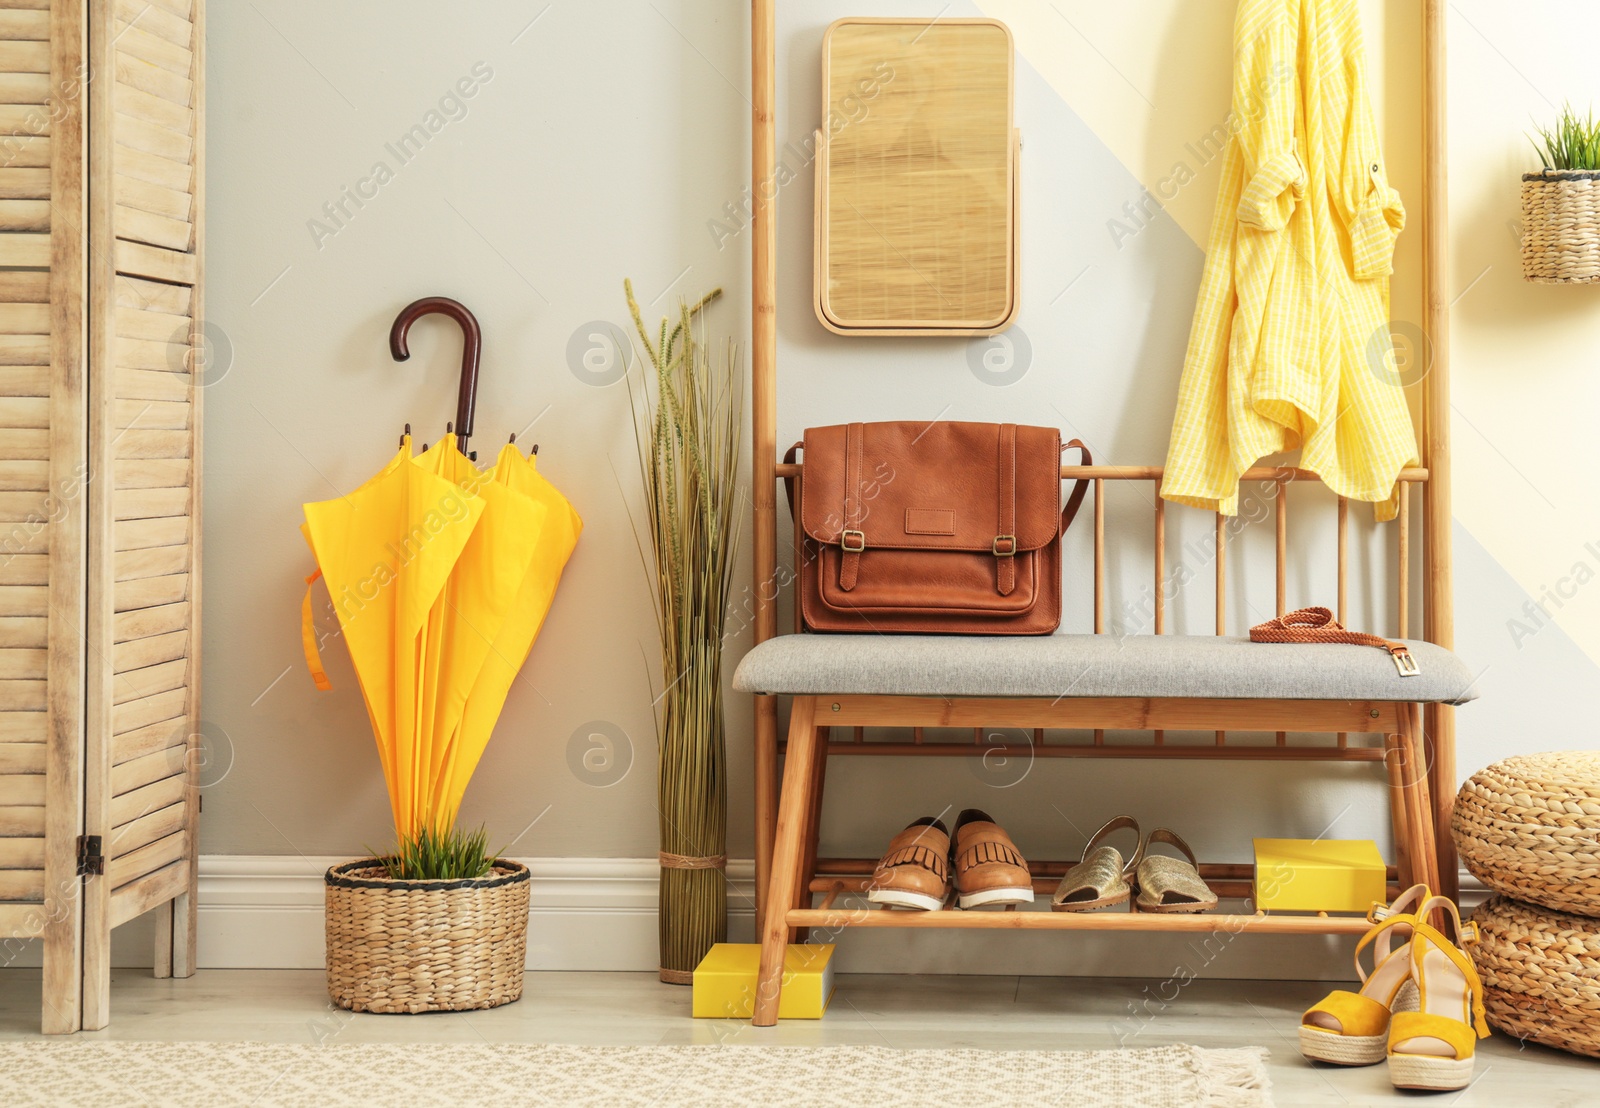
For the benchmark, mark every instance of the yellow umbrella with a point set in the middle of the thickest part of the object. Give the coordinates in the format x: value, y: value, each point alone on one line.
x: 483, y: 593
x: 386, y: 552
x: 520, y: 476
x: 441, y: 577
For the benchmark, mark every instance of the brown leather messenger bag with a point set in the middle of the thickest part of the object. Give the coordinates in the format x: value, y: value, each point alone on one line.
x: 949, y: 528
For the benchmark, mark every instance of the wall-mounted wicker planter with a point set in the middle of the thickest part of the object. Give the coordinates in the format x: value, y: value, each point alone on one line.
x: 425, y: 946
x: 1561, y: 227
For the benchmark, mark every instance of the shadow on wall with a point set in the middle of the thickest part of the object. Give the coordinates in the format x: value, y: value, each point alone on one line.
x: 1533, y: 680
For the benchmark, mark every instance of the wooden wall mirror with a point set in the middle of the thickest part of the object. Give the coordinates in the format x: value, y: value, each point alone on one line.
x: 916, y: 206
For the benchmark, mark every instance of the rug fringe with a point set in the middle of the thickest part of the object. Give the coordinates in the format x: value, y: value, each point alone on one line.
x: 1233, y: 1078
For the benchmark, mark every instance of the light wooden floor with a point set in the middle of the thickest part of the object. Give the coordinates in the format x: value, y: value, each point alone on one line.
x: 1000, y: 1013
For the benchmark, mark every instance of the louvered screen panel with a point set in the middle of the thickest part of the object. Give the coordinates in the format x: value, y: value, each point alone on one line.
x: 144, y: 296
x: 24, y: 570
x: 155, y: 177
x: 43, y: 502
x: 25, y: 417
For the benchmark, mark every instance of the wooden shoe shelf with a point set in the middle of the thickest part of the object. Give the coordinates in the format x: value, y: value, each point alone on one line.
x: 799, y: 876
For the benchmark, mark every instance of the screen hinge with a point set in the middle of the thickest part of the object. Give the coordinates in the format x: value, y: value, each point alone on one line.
x: 91, y: 863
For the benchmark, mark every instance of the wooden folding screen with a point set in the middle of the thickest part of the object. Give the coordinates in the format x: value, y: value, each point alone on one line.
x: 100, y: 270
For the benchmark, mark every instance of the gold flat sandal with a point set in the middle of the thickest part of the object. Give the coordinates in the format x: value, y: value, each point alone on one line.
x: 1102, y: 878
x: 1168, y: 884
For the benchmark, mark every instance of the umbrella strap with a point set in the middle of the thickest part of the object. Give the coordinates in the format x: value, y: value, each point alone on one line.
x: 308, y: 638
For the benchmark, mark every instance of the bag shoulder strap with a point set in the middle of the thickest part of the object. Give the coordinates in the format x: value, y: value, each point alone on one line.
x: 1080, y: 487
x: 789, y: 456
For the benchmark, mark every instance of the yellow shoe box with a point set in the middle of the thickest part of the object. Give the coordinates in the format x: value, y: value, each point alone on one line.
x: 1318, y: 875
x: 725, y: 982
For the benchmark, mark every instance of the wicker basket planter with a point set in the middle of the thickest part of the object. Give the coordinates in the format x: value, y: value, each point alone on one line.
x: 1529, y: 827
x: 1561, y: 227
x: 1541, y: 974
x: 425, y: 946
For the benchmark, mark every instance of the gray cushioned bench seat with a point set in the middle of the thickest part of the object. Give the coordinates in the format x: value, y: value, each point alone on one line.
x: 1097, y: 666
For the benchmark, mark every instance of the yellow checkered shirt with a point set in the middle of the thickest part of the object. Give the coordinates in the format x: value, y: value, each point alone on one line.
x: 1291, y: 345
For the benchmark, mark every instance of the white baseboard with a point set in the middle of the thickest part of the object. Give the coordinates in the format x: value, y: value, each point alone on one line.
x: 266, y: 912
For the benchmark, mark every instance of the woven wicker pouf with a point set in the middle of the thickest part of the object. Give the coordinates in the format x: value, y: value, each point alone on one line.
x: 1529, y: 827
x: 425, y: 946
x: 1541, y: 974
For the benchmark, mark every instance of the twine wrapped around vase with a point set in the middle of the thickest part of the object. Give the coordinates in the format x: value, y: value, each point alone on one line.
x: 694, y: 913
x: 1561, y: 227
x: 683, y: 861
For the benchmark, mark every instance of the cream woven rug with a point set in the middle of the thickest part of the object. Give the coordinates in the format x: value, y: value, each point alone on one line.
x: 108, y: 1075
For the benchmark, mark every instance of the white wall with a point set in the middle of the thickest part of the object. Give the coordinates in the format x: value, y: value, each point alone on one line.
x: 602, y: 140
x: 596, y: 145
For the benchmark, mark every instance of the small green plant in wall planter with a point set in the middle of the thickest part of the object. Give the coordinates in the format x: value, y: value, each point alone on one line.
x: 1561, y: 204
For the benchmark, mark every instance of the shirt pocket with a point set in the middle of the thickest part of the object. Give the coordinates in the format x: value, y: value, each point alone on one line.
x: 1374, y: 226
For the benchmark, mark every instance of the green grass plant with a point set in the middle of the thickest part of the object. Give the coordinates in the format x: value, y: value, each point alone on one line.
x: 1572, y: 143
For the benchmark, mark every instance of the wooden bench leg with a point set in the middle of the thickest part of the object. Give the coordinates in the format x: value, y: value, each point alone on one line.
x: 788, y: 856
x: 808, y: 861
x: 766, y: 814
x: 1419, y: 813
x: 1440, y: 743
x: 1395, y: 765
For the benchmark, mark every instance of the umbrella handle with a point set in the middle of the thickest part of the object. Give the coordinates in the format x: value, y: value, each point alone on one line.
x: 471, y: 348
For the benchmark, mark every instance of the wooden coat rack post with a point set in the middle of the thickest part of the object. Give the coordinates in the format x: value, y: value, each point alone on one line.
x: 1439, y: 609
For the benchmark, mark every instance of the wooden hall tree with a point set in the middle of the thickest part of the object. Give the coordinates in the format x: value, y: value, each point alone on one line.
x: 1412, y: 741
x: 101, y: 139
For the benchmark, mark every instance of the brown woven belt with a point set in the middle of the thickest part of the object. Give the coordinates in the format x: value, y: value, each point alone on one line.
x: 1318, y: 625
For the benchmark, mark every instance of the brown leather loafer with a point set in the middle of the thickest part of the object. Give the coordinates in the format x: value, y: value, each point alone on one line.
x: 989, y: 868
x: 915, y: 871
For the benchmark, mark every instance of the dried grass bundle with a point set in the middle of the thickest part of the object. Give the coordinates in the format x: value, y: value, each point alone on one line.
x: 688, y: 418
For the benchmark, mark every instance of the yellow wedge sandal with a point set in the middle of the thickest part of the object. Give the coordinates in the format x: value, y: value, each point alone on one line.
x: 1434, y: 1047
x: 1352, y: 1029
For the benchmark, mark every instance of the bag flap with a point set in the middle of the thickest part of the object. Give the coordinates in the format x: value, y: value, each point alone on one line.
x: 944, y: 486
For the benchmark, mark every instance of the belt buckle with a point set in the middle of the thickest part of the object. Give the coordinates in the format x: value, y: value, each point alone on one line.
x: 998, y: 553
x: 1405, y: 663
x: 860, y: 541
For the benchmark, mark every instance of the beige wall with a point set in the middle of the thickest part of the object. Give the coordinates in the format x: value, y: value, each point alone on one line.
x: 1526, y: 386
x: 611, y: 139
x: 596, y: 147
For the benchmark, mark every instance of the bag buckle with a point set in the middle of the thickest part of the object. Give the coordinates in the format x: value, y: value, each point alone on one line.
x: 1010, y: 541
x: 845, y: 542
x: 1404, y: 662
